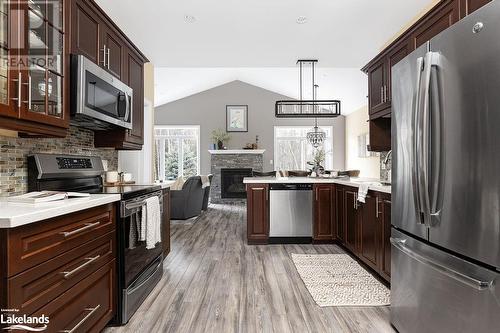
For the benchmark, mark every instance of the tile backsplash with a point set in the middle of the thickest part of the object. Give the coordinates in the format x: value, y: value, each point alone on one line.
x: 14, y: 152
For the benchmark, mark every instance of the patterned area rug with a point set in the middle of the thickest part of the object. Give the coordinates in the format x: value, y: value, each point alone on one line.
x: 338, y: 280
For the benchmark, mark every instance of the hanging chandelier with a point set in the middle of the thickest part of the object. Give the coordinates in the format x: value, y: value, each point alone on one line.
x: 308, y: 107
x: 316, y: 136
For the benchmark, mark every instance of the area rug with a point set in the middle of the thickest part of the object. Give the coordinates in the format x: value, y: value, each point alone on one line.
x: 338, y: 280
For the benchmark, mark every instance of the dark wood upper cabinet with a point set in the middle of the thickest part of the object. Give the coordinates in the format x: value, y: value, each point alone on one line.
x: 442, y: 17
x: 113, y: 49
x: 257, y: 213
x: 85, y: 30
x: 377, y: 87
x: 469, y: 6
x: 324, y: 213
x: 135, y: 79
x: 351, y: 220
x: 339, y: 214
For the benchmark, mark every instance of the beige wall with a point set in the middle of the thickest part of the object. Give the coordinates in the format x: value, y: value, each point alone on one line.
x: 356, y: 124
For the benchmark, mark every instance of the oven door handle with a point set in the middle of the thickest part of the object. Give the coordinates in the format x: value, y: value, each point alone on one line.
x: 146, y: 280
x: 135, y: 204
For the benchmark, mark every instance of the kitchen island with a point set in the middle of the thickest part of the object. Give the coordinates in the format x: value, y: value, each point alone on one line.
x: 333, y: 210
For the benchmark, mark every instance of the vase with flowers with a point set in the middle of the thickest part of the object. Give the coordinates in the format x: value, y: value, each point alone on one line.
x: 219, y: 137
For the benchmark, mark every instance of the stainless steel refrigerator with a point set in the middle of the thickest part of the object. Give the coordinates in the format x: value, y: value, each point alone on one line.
x: 446, y: 181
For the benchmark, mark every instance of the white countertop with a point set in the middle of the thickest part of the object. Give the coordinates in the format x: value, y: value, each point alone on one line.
x: 17, y: 214
x: 374, y: 184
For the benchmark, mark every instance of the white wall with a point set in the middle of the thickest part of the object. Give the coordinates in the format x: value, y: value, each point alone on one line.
x: 208, y: 109
x: 357, y: 124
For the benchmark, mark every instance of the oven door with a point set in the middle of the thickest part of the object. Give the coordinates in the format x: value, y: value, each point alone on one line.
x: 135, y: 255
x: 101, y: 100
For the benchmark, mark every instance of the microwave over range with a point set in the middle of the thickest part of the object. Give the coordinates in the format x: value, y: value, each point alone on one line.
x: 99, y: 101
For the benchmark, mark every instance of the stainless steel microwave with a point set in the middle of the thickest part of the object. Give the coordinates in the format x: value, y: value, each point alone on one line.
x: 99, y: 100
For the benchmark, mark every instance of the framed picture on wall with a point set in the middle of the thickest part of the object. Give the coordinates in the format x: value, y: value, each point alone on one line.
x: 236, y: 118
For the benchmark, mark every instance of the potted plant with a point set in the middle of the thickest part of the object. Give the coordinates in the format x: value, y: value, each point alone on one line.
x: 220, y: 136
x: 317, y: 162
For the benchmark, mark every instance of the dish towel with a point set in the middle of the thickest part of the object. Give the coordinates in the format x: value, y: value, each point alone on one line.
x: 205, y: 181
x: 150, y: 230
x: 363, y: 191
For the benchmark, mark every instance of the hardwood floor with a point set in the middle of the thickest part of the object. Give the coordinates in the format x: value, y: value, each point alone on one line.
x: 215, y: 282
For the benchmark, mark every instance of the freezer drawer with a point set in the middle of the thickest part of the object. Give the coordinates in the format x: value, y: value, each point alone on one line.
x: 432, y: 291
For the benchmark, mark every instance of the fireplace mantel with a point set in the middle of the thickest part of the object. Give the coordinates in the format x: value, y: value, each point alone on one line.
x: 236, y: 151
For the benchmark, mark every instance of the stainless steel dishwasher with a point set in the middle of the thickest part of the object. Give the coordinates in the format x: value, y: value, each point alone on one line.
x: 291, y: 212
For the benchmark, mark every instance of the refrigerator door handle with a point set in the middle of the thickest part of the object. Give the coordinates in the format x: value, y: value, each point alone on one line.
x: 400, y: 244
x: 415, y: 136
x: 423, y: 140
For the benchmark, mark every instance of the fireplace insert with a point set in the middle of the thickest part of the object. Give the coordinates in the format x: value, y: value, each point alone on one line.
x: 232, y: 186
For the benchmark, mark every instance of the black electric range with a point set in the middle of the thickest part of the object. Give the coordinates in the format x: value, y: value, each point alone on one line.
x: 139, y: 269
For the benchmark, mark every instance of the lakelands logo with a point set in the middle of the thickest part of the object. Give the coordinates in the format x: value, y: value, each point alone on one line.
x: 23, y: 322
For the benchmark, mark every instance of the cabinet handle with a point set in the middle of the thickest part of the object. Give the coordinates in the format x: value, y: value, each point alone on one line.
x: 19, y: 83
x: 84, y: 319
x: 385, y: 94
x: 382, y: 94
x: 77, y: 231
x: 104, y: 55
x: 90, y: 260
x: 29, y: 92
x: 377, y: 208
x: 356, y: 201
x: 108, y: 53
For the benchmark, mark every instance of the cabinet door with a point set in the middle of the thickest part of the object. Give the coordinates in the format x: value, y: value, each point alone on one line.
x: 85, y: 27
x: 257, y: 213
x: 376, y: 87
x: 351, y: 220
x: 10, y: 94
x: 443, y: 17
x: 469, y: 6
x: 339, y: 214
x: 135, y: 79
x: 323, y: 228
x: 43, y: 52
x: 369, y: 231
x: 114, y: 52
x: 385, y: 264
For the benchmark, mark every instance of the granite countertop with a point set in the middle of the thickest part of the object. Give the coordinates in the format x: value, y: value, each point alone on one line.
x: 374, y: 184
x: 18, y: 214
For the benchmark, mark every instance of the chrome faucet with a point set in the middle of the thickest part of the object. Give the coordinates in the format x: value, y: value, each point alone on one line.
x: 386, y: 159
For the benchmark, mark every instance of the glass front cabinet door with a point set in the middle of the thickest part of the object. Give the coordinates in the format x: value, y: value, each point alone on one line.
x: 32, y: 51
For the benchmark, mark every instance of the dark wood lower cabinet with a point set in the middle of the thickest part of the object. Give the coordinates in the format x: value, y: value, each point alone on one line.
x: 369, y: 231
x: 165, y: 229
x: 257, y: 213
x: 64, y: 268
x: 324, y: 212
x: 351, y: 219
x: 339, y: 214
x: 385, y: 265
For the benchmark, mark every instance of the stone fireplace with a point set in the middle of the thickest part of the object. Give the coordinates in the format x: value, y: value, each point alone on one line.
x: 229, y: 167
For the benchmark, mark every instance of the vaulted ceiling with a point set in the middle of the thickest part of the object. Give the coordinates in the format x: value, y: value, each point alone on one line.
x: 260, y: 33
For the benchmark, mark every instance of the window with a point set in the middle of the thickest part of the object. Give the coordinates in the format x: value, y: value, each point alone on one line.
x: 292, y: 151
x: 177, y: 151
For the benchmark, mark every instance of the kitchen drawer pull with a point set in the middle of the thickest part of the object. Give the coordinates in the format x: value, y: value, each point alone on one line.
x: 84, y: 319
x: 77, y: 231
x: 90, y: 260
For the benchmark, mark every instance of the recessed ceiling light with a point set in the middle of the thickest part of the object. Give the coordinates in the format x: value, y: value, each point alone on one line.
x: 301, y: 20
x: 189, y: 18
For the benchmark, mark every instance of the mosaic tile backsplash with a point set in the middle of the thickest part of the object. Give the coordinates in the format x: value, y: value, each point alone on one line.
x: 14, y: 152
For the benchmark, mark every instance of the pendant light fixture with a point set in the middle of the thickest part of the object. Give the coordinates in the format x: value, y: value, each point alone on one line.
x: 311, y: 107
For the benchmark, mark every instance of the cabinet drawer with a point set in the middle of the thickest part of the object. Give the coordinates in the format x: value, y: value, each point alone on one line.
x: 87, y: 307
x: 37, y: 286
x: 34, y: 244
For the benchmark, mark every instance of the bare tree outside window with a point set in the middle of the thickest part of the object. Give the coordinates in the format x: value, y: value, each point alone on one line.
x: 292, y: 151
x: 178, y: 151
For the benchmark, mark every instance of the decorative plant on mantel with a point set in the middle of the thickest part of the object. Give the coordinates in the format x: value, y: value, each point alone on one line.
x: 220, y: 136
x: 317, y: 162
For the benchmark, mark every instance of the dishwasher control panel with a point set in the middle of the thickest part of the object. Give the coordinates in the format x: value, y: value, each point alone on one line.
x: 290, y: 187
